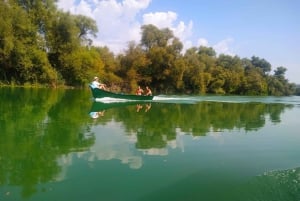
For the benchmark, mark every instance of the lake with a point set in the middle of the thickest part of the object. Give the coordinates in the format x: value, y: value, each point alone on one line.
x: 58, y: 145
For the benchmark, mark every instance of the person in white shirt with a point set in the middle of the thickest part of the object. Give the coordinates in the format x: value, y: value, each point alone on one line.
x: 97, y: 84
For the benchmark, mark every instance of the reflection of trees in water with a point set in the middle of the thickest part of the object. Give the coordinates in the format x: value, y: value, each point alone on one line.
x: 34, y: 134
x: 38, y: 126
x: 158, y: 126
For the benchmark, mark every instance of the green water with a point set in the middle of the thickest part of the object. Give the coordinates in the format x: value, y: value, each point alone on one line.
x: 174, y: 148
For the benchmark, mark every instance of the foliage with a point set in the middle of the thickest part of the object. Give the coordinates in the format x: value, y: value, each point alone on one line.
x: 41, y: 45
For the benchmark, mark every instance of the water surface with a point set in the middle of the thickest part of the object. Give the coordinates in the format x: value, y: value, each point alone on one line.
x: 59, y: 144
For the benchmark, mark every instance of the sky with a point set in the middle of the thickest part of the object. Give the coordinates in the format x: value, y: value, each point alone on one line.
x: 268, y: 29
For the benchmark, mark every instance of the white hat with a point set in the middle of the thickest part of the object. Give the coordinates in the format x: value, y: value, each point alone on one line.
x: 95, y: 78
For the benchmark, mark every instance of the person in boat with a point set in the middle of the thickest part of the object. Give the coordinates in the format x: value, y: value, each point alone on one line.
x: 148, y: 91
x: 139, y: 91
x: 97, y: 84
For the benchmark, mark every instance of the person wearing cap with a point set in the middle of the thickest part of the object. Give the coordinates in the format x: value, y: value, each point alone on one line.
x: 97, y: 84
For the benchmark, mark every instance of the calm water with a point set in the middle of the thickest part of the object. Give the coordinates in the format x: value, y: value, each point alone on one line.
x: 59, y: 145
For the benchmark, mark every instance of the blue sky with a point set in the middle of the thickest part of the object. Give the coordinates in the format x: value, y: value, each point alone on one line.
x: 269, y: 29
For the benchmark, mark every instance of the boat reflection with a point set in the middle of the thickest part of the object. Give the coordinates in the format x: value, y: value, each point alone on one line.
x: 100, y: 106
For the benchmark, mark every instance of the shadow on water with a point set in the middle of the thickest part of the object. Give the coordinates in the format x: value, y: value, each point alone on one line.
x: 38, y: 126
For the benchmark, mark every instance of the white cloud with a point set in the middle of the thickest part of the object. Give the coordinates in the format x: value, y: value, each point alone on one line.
x: 183, y: 31
x: 223, y: 47
x: 160, y: 19
x: 118, y: 22
x: 202, y: 42
x: 65, y: 5
x: 83, y: 8
x: 187, y: 44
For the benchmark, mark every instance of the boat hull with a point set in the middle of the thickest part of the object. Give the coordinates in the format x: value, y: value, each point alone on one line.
x: 99, y: 93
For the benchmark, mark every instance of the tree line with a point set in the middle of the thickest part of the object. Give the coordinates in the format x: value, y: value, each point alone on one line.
x: 41, y: 45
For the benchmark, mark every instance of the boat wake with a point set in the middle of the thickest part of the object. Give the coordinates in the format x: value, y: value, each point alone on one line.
x: 113, y: 100
x: 162, y: 99
x: 196, y: 99
x: 175, y: 99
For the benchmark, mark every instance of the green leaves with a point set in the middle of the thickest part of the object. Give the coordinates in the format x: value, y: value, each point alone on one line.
x: 40, y: 44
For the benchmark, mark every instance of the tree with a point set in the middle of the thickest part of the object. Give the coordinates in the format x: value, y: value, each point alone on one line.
x: 134, y: 69
x: 262, y: 64
x: 6, y: 41
x: 195, y: 78
x: 111, y: 68
x: 280, y: 72
x: 67, y: 35
x: 81, y: 65
x: 24, y: 59
x: 278, y: 85
x: 233, y: 72
x: 209, y: 51
x: 152, y: 36
x: 87, y: 27
x: 217, y: 82
x: 162, y: 49
x: 254, y: 83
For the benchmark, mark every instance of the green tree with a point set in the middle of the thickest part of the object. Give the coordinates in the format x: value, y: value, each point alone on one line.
x: 195, y: 77
x: 134, y: 69
x: 154, y: 37
x: 24, y: 59
x: 262, y: 64
x: 111, y: 68
x: 7, y: 40
x: 66, y: 53
x: 87, y: 27
x: 278, y: 85
x: 213, y: 80
x: 233, y: 72
x: 81, y: 65
x: 162, y: 49
x: 218, y: 80
x: 254, y: 83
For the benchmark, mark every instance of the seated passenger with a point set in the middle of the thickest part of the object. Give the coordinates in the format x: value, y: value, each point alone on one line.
x: 148, y: 91
x: 97, y: 84
x: 139, y: 91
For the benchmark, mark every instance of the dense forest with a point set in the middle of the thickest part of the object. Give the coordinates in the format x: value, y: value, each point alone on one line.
x: 41, y: 45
